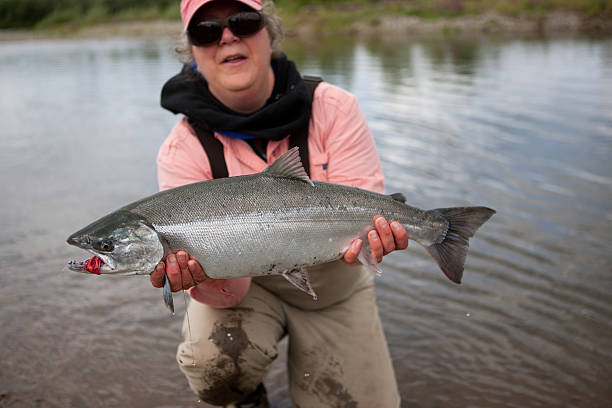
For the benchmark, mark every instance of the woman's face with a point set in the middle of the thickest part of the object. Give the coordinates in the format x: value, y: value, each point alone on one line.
x: 233, y: 64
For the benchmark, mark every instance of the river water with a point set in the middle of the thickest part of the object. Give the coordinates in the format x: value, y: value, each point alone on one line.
x: 520, y: 125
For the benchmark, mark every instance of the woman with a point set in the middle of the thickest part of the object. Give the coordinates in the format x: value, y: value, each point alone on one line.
x: 238, y: 84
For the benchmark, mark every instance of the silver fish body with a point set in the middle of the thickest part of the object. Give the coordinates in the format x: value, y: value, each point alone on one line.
x: 274, y: 222
x: 263, y: 224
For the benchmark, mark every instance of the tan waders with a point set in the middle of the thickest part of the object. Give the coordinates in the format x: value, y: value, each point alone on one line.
x: 337, y: 355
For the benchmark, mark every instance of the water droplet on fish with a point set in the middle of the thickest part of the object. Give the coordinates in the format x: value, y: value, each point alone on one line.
x: 468, y: 314
x: 229, y: 334
x: 330, y: 239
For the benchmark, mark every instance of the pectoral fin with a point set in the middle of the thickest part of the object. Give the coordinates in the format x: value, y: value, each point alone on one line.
x: 299, y: 278
x: 168, y: 294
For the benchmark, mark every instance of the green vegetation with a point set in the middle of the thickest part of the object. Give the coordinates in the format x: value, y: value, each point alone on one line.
x: 330, y: 14
x: 338, y: 15
x: 48, y: 13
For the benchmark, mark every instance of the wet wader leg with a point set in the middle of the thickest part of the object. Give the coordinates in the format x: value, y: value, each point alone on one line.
x: 232, y: 348
x: 338, y: 356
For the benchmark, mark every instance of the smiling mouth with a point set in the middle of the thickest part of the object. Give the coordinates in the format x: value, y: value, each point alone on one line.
x: 93, y: 265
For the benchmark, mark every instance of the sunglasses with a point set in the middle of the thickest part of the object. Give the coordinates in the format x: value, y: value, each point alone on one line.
x: 208, y: 32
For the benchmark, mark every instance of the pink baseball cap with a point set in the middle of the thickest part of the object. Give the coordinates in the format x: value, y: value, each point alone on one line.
x: 189, y: 7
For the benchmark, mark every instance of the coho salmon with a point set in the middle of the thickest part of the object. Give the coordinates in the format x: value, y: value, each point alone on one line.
x: 274, y: 222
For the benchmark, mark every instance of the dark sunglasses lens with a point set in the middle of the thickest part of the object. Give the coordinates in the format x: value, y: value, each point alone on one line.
x: 246, y: 23
x: 205, y: 33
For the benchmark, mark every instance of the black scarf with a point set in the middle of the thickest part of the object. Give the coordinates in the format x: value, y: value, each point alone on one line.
x: 287, y: 109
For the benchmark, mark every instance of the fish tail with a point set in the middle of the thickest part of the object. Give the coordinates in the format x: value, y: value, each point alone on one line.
x: 450, y: 253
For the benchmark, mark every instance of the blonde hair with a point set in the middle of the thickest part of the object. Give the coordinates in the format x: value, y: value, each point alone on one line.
x: 272, y: 23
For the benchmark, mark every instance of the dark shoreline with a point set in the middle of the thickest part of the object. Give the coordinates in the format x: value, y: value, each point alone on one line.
x: 487, y: 23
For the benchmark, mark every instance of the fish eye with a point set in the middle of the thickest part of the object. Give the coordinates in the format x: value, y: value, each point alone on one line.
x: 106, y: 245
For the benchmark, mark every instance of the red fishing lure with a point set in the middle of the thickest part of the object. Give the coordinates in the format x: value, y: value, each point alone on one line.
x: 93, y: 265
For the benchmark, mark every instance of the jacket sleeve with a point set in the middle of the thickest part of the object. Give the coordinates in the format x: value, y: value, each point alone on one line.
x: 348, y: 143
x: 181, y: 160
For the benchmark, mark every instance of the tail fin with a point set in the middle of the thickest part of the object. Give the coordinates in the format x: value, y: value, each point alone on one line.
x: 462, y: 224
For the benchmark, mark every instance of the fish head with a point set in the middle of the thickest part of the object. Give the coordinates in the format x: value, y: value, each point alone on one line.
x: 122, y: 244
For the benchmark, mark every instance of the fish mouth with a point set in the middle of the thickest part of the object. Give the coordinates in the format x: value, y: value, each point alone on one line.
x: 93, y: 265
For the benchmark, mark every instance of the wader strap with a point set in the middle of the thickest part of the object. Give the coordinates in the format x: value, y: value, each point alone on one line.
x: 214, y: 148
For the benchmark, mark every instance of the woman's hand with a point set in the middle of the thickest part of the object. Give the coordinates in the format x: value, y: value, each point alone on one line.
x: 386, y: 238
x: 182, y: 270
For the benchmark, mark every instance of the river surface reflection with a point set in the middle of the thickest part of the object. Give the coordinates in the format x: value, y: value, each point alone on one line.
x: 522, y: 126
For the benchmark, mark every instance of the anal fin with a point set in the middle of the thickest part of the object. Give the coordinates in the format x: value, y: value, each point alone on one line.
x: 299, y: 278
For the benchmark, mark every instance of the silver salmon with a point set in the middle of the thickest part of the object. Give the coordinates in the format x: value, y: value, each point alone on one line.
x: 277, y: 222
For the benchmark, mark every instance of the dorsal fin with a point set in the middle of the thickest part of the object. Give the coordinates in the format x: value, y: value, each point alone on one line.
x: 289, y: 165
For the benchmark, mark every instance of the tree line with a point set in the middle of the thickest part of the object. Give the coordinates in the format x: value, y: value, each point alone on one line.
x: 42, y: 13
x: 29, y: 13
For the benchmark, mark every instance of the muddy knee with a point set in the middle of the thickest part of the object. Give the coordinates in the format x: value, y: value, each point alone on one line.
x: 228, y: 364
x: 219, y: 378
x: 223, y: 382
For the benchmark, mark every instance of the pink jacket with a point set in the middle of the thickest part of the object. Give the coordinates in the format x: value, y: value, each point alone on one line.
x: 341, y: 150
